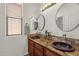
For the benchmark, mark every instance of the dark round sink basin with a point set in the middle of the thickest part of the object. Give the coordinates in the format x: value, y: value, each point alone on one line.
x: 63, y: 46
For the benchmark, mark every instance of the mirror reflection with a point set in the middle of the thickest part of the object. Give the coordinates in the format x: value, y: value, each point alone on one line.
x: 67, y: 17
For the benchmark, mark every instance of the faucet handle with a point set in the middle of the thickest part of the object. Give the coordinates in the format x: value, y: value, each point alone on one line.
x: 64, y: 34
x: 45, y: 31
x: 49, y: 33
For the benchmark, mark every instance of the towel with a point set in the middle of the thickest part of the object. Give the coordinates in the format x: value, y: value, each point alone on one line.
x: 27, y: 29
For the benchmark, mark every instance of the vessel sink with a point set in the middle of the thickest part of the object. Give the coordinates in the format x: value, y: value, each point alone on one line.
x: 63, y: 46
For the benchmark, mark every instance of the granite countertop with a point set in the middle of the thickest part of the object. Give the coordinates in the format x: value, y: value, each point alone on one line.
x: 46, y: 42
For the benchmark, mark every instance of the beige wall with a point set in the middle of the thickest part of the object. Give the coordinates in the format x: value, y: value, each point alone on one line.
x: 15, y: 45
x: 51, y: 22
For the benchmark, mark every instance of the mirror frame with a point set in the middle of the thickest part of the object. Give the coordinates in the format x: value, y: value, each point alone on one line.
x: 38, y: 22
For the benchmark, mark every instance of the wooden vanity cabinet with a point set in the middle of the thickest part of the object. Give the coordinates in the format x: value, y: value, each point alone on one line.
x: 48, y: 52
x: 31, y: 47
x: 36, y: 49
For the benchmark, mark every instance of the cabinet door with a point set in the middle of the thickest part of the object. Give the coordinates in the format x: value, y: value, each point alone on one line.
x: 30, y: 47
x: 38, y: 50
x: 48, y: 52
x: 39, y: 47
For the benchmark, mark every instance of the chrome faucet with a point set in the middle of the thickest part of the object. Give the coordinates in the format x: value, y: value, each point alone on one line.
x: 68, y: 40
x: 48, y: 34
x: 65, y: 38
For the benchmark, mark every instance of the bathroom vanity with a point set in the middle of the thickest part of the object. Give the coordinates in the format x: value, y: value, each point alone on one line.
x: 36, y: 49
x: 43, y: 47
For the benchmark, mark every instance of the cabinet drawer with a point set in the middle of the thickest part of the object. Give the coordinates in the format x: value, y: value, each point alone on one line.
x: 39, y: 47
x: 47, y: 52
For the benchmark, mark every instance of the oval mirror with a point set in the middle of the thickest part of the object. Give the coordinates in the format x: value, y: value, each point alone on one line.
x: 67, y: 17
x: 41, y: 22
